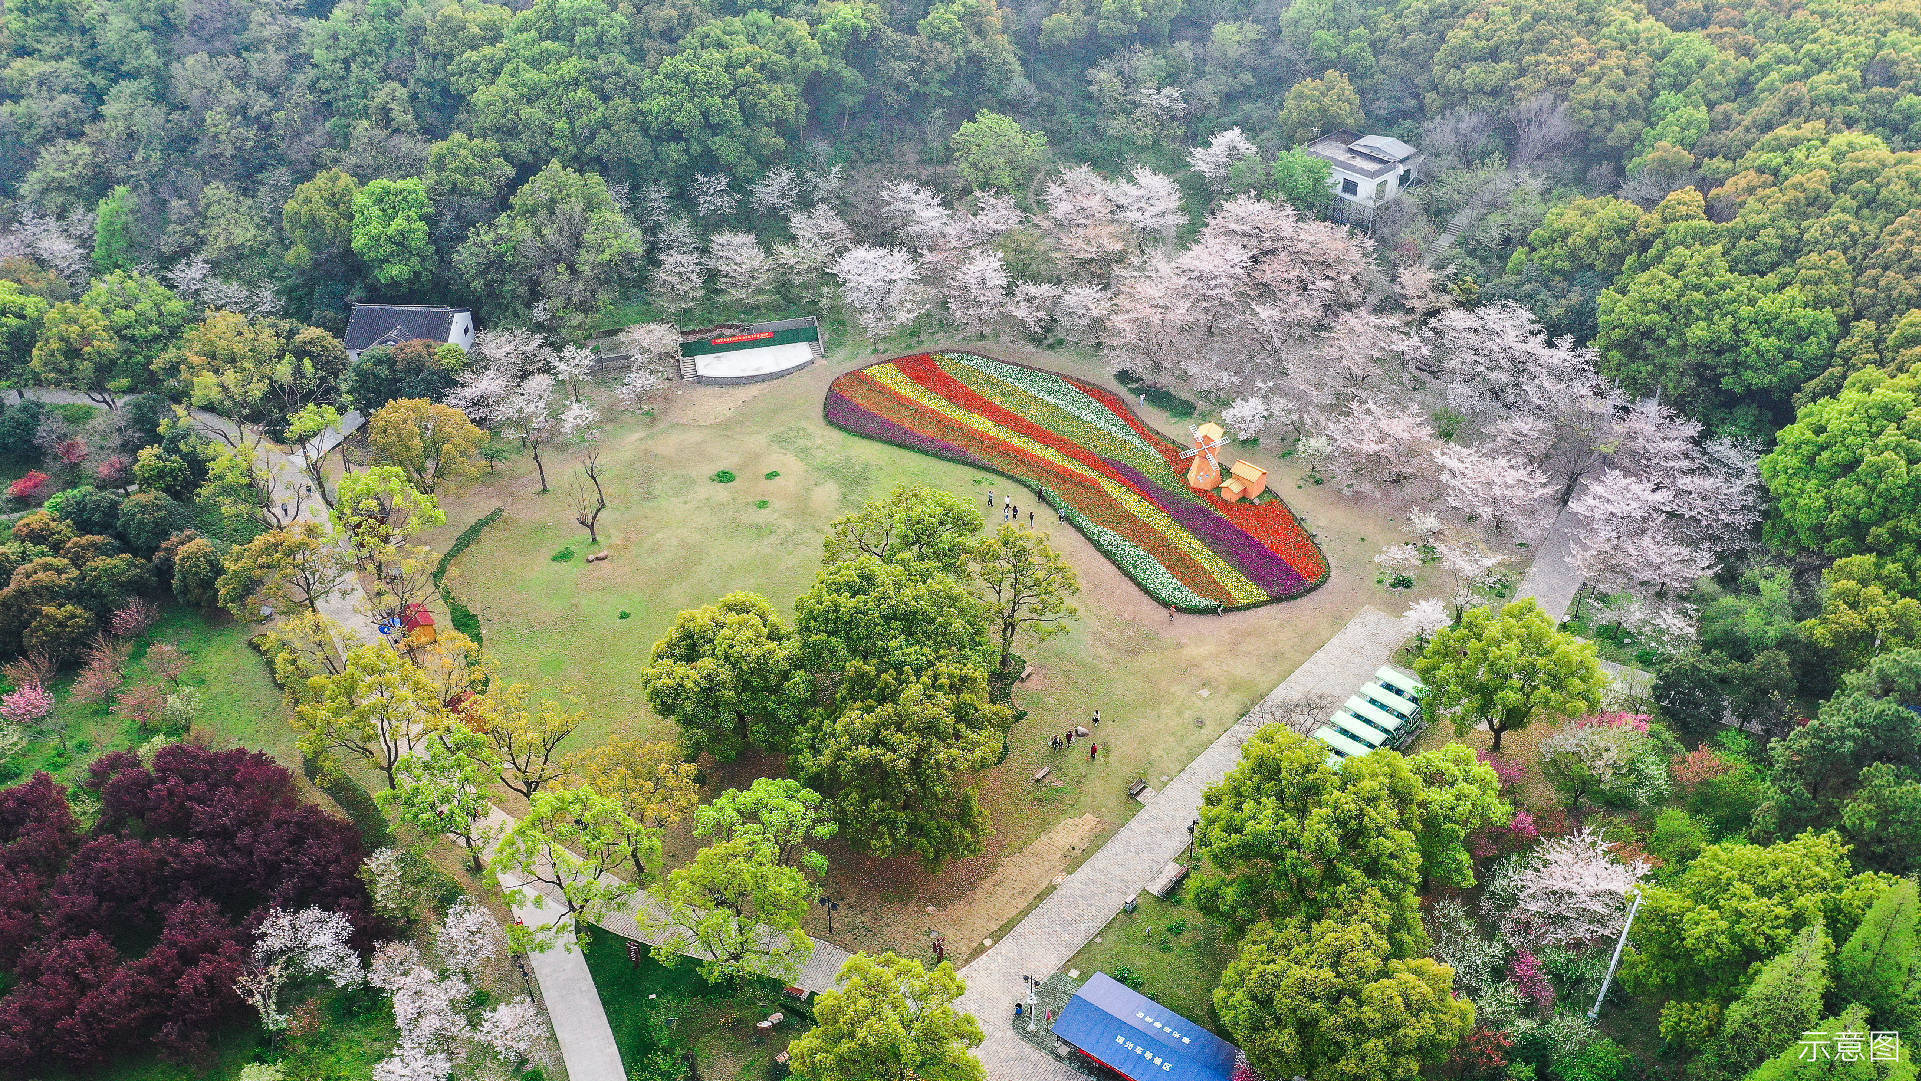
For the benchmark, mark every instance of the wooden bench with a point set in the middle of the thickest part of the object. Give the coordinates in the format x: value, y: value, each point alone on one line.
x: 1165, y: 882
x: 1041, y: 774
x: 1134, y: 790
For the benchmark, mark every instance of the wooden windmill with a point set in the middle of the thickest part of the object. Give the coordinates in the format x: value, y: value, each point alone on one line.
x: 1205, y: 473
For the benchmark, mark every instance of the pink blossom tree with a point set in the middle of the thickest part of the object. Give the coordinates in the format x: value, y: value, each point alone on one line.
x: 1570, y: 891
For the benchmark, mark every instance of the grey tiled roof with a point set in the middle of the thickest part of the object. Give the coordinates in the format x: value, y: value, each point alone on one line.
x: 390, y: 324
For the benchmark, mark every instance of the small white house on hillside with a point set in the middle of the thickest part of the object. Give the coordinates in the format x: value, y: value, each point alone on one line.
x: 370, y: 325
x: 1368, y: 170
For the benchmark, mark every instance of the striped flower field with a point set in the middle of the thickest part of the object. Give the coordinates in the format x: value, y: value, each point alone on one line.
x: 1117, y: 480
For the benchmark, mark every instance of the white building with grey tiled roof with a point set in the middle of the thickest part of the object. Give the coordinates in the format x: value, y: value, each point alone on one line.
x: 1368, y: 170
x: 370, y: 325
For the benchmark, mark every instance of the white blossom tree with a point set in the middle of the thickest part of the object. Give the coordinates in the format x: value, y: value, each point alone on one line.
x: 1217, y: 159
x: 1666, y: 512
x: 1383, y: 448
x: 976, y: 292
x: 740, y: 266
x: 776, y: 192
x: 1150, y: 202
x: 514, y: 391
x: 1080, y: 315
x: 881, y: 286
x: 1503, y: 492
x: 1031, y: 307
x: 714, y: 195
x: 680, y: 276
x: 819, y: 236
x: 1081, y: 216
x: 1231, y: 310
x: 310, y: 943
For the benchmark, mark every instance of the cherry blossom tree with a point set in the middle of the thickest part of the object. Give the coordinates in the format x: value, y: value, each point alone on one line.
x: 310, y: 943
x: 468, y: 938
x: 680, y: 277
x: 1031, y: 308
x: 1150, y: 202
x: 714, y: 195
x: 1502, y: 491
x: 1081, y: 216
x: 819, y: 236
x: 1217, y: 159
x: 776, y: 192
x: 1663, y: 515
x: 1570, y: 891
x: 976, y: 292
x: 1080, y: 316
x: 881, y: 286
x: 1247, y: 417
x: 917, y: 216
x: 1254, y: 289
x: 514, y: 390
x: 740, y: 266
x: 1381, y: 447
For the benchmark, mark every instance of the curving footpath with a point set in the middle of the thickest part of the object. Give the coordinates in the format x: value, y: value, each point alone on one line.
x: 1083, y: 904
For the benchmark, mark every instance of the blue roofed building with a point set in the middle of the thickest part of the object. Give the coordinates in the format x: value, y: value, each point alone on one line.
x: 1138, y: 1038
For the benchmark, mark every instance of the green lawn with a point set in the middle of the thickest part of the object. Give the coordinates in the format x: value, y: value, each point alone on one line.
x: 239, y: 704
x: 677, y: 538
x: 668, y: 1010
x: 1175, y: 953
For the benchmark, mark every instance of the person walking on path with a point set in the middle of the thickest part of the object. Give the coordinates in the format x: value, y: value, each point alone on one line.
x: 1093, y: 751
x: 1030, y: 518
x: 1170, y: 613
x: 990, y: 499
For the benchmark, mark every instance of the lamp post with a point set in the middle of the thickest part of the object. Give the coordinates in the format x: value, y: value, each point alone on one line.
x: 1615, y: 962
x: 832, y: 907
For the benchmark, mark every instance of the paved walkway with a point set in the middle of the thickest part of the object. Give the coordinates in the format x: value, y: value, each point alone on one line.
x: 573, y: 1002
x: 1552, y: 579
x: 1091, y: 896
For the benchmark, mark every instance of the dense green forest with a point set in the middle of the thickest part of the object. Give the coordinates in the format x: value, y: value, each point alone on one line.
x: 1658, y: 288
x: 370, y: 149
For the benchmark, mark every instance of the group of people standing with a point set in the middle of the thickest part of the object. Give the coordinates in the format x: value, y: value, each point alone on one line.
x: 1077, y: 732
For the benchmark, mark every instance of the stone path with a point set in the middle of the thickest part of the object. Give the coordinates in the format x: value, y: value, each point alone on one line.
x: 1083, y: 904
x: 573, y: 1002
x: 1552, y: 579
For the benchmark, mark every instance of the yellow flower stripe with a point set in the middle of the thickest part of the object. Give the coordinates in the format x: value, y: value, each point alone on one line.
x: 1238, y: 586
x: 1057, y: 418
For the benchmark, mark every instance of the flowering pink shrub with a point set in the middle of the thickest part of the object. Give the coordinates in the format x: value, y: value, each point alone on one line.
x: 1697, y: 766
x: 1530, y: 981
x: 115, y: 472
x: 1510, y: 772
x: 72, y: 451
x: 134, y: 617
x: 1636, y: 721
x: 30, y: 487
x: 144, y: 704
x: 1518, y: 833
x: 26, y: 704
x: 1244, y: 1070
x: 166, y: 661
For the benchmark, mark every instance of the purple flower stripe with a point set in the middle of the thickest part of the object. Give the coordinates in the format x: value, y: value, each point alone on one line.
x: 854, y: 417
x: 1262, y: 565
